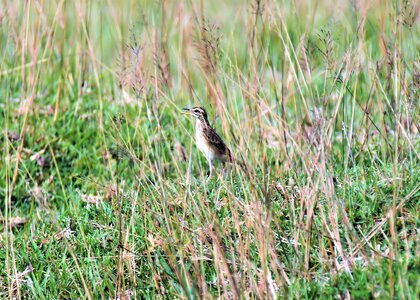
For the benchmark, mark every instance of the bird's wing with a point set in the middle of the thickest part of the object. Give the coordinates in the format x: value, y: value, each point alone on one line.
x: 215, y: 140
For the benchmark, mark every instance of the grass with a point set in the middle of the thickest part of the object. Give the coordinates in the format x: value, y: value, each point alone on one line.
x: 104, y: 190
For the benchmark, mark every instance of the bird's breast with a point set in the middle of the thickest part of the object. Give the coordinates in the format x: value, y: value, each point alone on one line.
x: 203, y: 145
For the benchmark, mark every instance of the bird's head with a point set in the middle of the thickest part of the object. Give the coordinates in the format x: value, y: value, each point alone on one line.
x: 196, y: 112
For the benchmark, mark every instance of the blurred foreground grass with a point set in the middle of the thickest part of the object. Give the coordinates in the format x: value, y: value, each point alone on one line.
x: 104, y: 190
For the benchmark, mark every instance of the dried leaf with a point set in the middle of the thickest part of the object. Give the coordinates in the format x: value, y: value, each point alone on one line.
x: 92, y: 199
x: 156, y: 241
x: 15, y: 221
x: 125, y: 295
x: 40, y: 160
x: 65, y: 233
x: 13, y: 137
x: 18, y: 278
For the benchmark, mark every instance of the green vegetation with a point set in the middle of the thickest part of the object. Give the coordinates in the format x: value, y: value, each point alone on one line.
x: 104, y: 190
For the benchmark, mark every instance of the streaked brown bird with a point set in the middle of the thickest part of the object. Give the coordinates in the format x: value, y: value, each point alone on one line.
x: 207, y: 140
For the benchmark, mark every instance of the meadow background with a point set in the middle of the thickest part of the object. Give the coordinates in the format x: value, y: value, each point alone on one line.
x: 103, y: 190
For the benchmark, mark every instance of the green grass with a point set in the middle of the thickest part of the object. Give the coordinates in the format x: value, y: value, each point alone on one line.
x: 318, y: 103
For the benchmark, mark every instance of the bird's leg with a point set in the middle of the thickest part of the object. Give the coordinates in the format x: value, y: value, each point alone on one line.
x: 211, y: 169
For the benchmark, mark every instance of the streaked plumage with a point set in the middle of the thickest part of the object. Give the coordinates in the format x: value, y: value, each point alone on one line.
x: 206, y: 138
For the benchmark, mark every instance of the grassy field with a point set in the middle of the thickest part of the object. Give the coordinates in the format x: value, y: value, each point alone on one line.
x: 104, y: 191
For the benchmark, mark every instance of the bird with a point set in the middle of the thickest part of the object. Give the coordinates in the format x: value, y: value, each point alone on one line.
x: 207, y: 139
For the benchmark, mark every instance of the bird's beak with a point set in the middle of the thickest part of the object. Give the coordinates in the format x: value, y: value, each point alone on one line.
x: 186, y: 111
